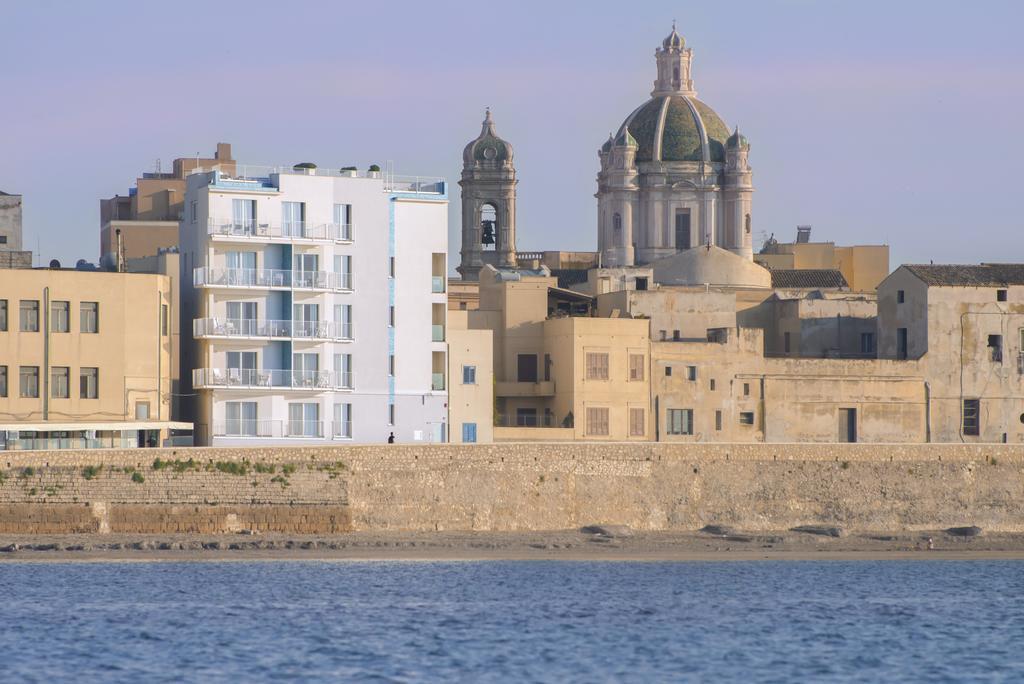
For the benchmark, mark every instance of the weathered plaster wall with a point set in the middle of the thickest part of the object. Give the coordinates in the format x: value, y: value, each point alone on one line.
x: 516, y: 487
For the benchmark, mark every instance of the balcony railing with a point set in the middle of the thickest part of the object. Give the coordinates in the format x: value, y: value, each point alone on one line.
x: 437, y: 382
x: 245, y: 378
x: 287, y: 230
x: 546, y: 420
x: 1020, y: 363
x: 437, y: 284
x: 437, y: 333
x: 294, y: 429
x: 270, y: 329
x: 206, y: 276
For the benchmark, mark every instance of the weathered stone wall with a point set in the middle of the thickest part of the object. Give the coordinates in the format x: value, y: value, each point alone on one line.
x: 513, y: 487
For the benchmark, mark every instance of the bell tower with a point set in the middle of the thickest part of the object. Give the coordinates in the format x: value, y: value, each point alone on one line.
x: 488, y: 203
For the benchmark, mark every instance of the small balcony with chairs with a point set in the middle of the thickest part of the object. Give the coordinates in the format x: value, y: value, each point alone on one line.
x: 211, y: 277
x: 254, y: 230
x: 259, y: 329
x: 266, y: 378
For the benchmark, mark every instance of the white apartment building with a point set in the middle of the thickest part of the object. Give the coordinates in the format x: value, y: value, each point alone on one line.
x: 317, y: 304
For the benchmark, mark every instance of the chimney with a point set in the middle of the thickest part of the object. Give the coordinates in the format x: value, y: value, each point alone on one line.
x: 223, y: 152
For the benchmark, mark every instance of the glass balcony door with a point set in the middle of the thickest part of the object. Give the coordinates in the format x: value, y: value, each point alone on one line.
x: 241, y: 318
x: 306, y: 267
x: 306, y: 319
x: 241, y: 367
x: 243, y: 217
x: 305, y: 369
x: 293, y: 217
x: 304, y: 420
x: 240, y: 418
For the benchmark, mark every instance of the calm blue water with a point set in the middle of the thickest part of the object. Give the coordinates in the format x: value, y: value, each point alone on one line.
x: 515, y: 621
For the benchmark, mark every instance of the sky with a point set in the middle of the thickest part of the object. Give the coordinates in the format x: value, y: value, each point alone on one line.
x: 875, y: 122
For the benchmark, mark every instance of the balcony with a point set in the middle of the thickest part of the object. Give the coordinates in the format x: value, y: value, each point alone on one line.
x: 524, y: 389
x: 437, y: 333
x: 289, y: 231
x: 437, y: 284
x: 437, y: 382
x: 240, y: 328
x: 290, y: 429
x: 268, y: 278
x: 250, y: 379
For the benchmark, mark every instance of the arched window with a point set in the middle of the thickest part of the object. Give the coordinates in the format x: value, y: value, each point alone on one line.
x: 617, y: 230
x: 488, y: 226
x: 746, y: 224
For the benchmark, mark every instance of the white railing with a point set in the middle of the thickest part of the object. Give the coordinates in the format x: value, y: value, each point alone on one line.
x: 206, y: 276
x: 235, y: 172
x: 289, y: 230
x: 242, y: 327
x: 437, y: 382
x: 437, y: 284
x: 247, y: 378
x: 293, y: 429
x: 437, y: 333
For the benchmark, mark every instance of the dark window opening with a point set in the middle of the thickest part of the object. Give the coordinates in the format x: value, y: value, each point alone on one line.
x: 995, y: 346
x: 971, y: 417
x: 847, y: 425
x: 900, y: 296
x: 668, y: 371
x: 683, y: 229
x: 901, y: 343
x: 747, y: 418
x: 641, y: 284
x: 1000, y: 295
x: 527, y: 368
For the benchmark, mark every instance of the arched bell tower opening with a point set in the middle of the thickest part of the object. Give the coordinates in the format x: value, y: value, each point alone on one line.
x: 488, y: 203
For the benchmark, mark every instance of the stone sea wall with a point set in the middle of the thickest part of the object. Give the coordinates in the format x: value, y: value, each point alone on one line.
x: 503, y: 487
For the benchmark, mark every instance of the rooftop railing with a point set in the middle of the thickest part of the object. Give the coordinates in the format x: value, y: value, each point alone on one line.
x: 271, y: 329
x: 257, y: 176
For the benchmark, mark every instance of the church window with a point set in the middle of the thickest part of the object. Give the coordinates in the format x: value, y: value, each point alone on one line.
x: 683, y: 229
x: 617, y: 230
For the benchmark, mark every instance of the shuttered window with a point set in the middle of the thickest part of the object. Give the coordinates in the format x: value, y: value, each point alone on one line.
x: 597, y: 421
x: 636, y: 367
x: 636, y: 422
x: 597, y: 365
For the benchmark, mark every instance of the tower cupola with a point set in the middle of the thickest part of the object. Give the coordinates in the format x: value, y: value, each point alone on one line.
x: 673, y: 59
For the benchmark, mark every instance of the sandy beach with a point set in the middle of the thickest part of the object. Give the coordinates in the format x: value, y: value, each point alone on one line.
x: 599, y: 544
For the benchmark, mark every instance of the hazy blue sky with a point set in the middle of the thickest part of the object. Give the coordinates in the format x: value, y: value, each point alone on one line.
x: 892, y: 122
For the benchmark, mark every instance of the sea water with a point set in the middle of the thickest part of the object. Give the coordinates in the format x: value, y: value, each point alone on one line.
x: 555, y: 621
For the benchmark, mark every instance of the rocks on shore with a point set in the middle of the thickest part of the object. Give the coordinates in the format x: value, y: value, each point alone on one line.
x: 718, y: 530
x: 822, y: 530
x: 971, y: 531
x: 608, y: 530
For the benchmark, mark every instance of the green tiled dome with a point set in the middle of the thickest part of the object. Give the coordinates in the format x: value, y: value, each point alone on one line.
x: 680, y: 121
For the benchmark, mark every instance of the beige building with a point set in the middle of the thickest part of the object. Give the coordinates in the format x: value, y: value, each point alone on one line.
x: 558, y: 372
x: 147, y: 217
x: 470, y: 381
x: 85, y: 359
x: 964, y: 326
x: 863, y: 266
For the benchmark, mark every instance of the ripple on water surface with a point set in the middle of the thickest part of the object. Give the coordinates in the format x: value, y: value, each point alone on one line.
x: 514, y: 621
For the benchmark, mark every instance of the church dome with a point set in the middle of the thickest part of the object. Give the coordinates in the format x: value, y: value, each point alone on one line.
x: 676, y: 127
x: 737, y: 139
x: 673, y: 40
x: 487, y: 147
